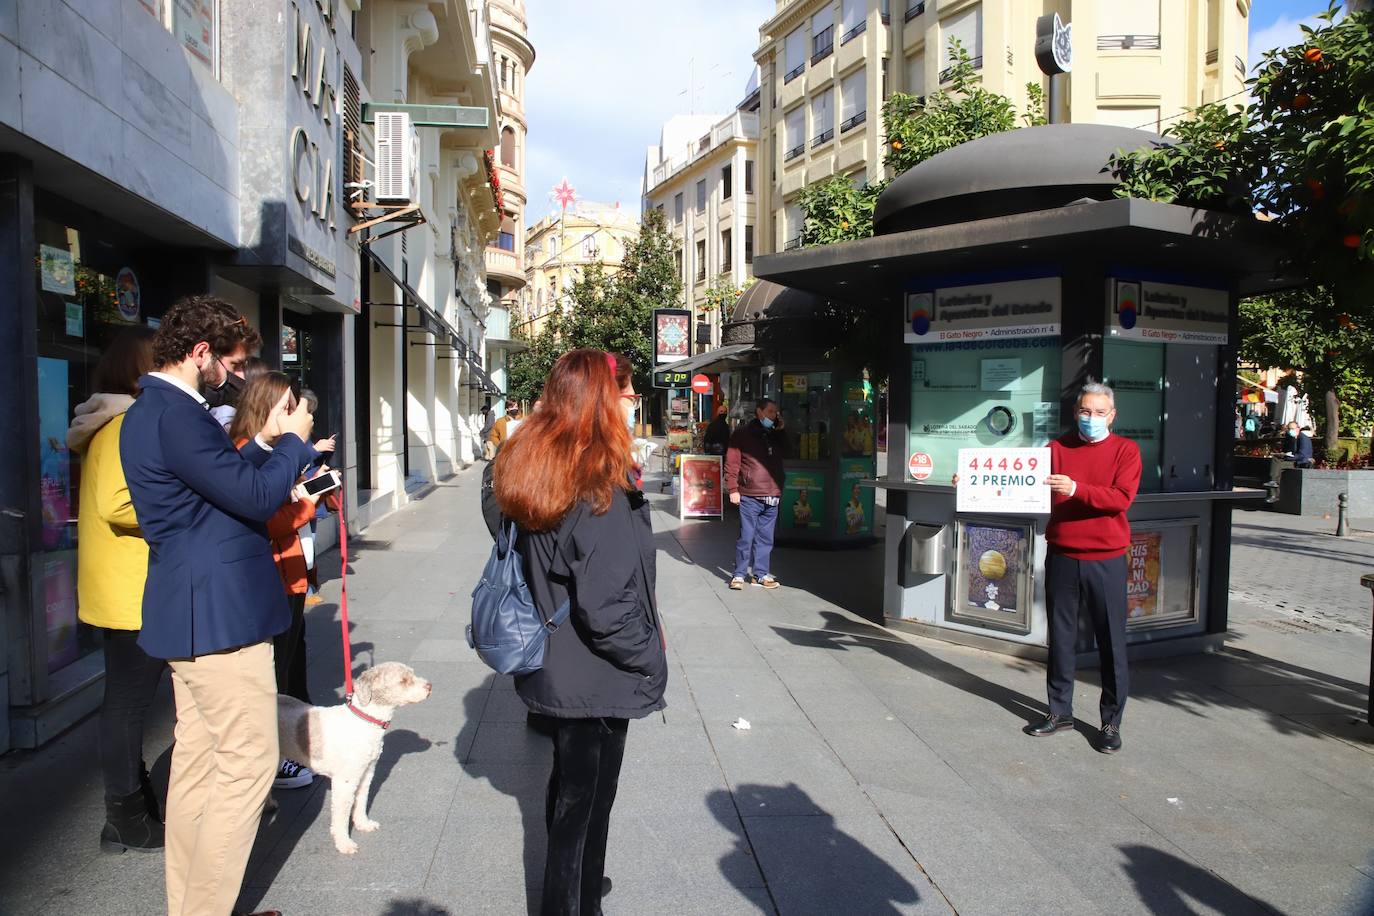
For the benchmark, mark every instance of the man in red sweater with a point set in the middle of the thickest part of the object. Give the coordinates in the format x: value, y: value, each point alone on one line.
x: 1096, y: 475
x: 753, y: 477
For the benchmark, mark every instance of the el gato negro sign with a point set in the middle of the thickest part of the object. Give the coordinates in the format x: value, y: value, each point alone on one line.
x: 1017, y: 308
x: 1167, y: 313
x: 315, y: 70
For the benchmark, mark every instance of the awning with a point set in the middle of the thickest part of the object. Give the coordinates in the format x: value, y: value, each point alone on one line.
x: 718, y: 360
x: 430, y: 320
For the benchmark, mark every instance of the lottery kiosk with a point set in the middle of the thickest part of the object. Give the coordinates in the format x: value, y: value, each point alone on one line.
x: 1010, y: 275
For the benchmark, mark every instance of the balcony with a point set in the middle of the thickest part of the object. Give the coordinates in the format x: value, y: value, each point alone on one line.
x: 822, y: 44
x: 792, y: 244
x: 498, y: 321
x: 1128, y: 42
x: 915, y: 10
x: 795, y: 72
x: 854, y: 122
x: 855, y: 32
x: 505, y: 265
x: 794, y: 152
x: 823, y: 137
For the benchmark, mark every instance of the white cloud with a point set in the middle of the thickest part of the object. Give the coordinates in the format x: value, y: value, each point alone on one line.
x: 1283, y: 32
x: 608, y: 73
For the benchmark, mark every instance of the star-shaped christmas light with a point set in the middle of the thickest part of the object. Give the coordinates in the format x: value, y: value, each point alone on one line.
x: 565, y: 194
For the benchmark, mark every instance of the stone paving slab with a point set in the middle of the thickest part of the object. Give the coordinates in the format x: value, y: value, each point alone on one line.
x: 882, y: 774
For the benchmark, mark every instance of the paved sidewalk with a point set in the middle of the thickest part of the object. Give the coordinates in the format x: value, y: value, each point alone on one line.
x: 881, y: 774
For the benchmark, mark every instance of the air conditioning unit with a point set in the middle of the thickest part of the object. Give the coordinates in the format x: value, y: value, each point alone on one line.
x: 396, y: 154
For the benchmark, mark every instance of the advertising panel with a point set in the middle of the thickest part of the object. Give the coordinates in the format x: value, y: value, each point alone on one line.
x: 857, y: 513
x: 1166, y: 312
x: 988, y: 311
x: 1142, y: 575
x: 803, y: 500
x: 994, y: 580
x: 672, y: 335
x: 701, y: 493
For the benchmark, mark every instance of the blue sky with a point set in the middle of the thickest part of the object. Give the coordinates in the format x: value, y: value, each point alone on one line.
x: 608, y: 73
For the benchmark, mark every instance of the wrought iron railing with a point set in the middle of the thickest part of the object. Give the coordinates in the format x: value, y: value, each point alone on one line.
x: 851, y: 123
x: 1128, y: 42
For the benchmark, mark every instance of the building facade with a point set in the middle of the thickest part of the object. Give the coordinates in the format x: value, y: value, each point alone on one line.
x: 827, y: 66
x: 512, y: 58
x: 703, y: 177
x: 152, y: 149
x: 560, y: 246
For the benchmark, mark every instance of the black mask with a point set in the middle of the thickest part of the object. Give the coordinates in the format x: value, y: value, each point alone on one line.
x: 227, y: 394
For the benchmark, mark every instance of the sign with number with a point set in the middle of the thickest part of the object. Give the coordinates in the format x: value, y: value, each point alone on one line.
x: 1003, y: 480
x: 920, y: 466
x: 671, y: 378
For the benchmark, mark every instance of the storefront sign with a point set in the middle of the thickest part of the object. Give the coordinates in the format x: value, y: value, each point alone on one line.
x: 1000, y: 374
x: 1018, y: 308
x: 314, y: 66
x: 672, y: 335
x: 76, y: 319
x: 803, y: 500
x: 1142, y: 575
x: 700, y: 495
x: 1142, y: 310
x: 1003, y: 480
x: 671, y: 378
x: 316, y: 260
x: 794, y: 383
x: 193, y: 21
x: 920, y: 466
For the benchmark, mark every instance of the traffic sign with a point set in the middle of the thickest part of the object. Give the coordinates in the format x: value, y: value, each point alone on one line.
x: 701, y: 384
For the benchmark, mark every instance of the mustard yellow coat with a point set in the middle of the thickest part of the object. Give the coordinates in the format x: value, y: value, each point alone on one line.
x: 112, y: 557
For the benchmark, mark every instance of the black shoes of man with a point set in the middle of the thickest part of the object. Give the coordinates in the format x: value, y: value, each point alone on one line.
x: 1108, y: 740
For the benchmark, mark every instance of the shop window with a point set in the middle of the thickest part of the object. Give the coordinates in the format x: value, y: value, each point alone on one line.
x: 1000, y: 393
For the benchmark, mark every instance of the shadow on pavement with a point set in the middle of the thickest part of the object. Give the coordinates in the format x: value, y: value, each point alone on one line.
x: 1167, y: 885
x: 840, y: 634
x: 413, y: 906
x: 816, y: 867
x: 510, y: 779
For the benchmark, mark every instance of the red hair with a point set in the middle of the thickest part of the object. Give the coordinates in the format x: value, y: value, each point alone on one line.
x: 574, y: 447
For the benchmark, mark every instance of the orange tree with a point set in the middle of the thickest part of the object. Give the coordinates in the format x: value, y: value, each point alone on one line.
x: 1300, y: 152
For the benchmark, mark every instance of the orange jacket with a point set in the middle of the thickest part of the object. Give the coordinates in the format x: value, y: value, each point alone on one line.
x: 283, y: 531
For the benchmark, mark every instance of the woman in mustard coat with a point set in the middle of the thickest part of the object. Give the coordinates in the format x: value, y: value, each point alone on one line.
x: 112, y: 562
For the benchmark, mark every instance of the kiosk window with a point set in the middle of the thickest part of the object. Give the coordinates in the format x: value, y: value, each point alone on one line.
x: 805, y: 405
x: 986, y: 393
x: 1135, y: 371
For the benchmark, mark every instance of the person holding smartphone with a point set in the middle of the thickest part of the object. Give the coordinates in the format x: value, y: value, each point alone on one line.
x: 753, y: 478
x: 250, y: 424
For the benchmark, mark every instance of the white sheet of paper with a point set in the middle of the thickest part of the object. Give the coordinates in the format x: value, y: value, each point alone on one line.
x: 1003, y: 480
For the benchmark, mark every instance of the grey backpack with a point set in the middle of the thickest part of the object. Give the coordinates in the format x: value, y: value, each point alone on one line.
x: 507, y: 630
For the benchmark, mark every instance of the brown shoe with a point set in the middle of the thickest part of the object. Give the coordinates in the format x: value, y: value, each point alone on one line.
x: 312, y: 600
x: 768, y: 582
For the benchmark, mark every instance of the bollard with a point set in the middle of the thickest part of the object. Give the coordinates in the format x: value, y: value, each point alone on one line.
x: 1342, y: 526
x: 1367, y: 580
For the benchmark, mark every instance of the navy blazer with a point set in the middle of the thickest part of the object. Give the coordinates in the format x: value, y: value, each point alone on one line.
x: 203, y: 506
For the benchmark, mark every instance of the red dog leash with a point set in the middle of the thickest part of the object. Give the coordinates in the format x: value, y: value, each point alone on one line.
x: 343, y: 618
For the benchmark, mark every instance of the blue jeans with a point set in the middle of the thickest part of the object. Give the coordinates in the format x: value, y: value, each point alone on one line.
x: 757, y: 520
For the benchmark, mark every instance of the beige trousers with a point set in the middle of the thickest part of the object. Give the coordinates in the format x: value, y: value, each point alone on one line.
x: 223, y: 764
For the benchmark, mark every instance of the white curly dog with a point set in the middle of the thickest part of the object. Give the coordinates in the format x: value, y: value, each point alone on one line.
x: 343, y: 742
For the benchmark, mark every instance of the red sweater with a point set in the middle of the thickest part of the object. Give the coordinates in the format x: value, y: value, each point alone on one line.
x: 1091, y: 524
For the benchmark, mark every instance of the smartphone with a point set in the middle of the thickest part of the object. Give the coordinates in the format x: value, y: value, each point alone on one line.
x: 322, y: 484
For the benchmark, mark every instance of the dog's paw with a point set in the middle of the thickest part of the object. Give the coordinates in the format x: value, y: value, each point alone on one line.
x: 366, y: 825
x: 345, y: 845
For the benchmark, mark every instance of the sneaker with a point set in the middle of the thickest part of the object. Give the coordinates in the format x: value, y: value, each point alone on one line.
x: 737, y: 583
x: 768, y: 582
x: 291, y: 775
x: 312, y: 600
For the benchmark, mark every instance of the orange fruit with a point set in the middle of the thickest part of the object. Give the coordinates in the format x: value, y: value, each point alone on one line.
x: 1302, y: 100
x: 1352, y: 240
x: 896, y: 144
x: 1312, y: 55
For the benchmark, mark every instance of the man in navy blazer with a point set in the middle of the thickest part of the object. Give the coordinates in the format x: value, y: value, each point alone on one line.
x: 213, y: 599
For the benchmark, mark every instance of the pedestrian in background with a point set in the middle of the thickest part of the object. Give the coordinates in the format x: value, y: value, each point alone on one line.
x: 212, y: 601
x: 1094, y: 479
x: 753, y: 478
x: 283, y: 528
x: 488, y: 424
x: 1303, y: 452
x: 717, y: 437
x: 504, y: 427
x: 112, y: 561
x: 585, y: 536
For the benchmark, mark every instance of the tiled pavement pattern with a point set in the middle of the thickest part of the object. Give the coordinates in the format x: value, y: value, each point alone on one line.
x: 881, y: 774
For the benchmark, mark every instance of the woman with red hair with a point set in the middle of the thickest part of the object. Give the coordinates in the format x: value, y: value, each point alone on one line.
x: 568, y: 483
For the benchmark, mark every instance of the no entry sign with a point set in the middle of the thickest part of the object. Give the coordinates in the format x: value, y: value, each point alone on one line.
x: 701, y: 384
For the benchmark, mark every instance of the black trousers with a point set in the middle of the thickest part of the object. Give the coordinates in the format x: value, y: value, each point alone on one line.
x: 587, y: 754
x: 288, y: 651
x: 1097, y: 588
x: 131, y: 677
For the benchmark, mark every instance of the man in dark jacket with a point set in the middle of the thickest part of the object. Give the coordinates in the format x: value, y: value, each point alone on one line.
x: 213, y: 599
x: 753, y: 478
x: 717, y: 438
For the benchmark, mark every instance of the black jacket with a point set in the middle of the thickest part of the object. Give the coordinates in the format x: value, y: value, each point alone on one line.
x: 608, y: 659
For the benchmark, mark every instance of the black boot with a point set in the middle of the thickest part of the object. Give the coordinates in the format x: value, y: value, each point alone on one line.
x: 128, y: 825
x: 145, y: 786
